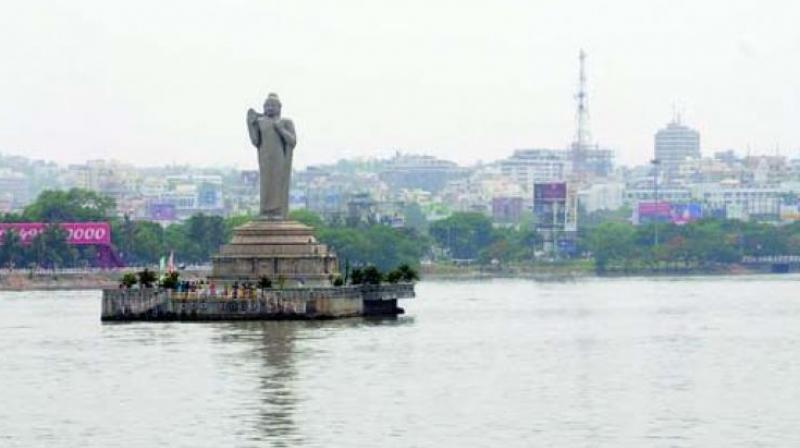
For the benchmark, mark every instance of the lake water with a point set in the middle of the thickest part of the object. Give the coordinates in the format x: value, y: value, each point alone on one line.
x: 700, y: 362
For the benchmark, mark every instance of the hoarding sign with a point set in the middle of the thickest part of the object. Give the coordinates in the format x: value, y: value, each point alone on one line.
x: 78, y: 233
x: 162, y: 212
x: 685, y: 213
x: 667, y: 212
x: 550, y: 191
x: 654, y: 209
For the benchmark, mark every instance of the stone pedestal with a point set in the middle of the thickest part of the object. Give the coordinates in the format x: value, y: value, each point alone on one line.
x: 280, y: 250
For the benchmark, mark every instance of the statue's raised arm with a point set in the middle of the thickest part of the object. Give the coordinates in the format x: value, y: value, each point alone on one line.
x: 252, y: 127
x: 285, y: 128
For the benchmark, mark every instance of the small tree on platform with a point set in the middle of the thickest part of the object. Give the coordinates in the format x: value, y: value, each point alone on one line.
x: 128, y: 280
x: 264, y: 282
x: 407, y: 273
x: 356, y: 276
x: 372, y: 276
x: 147, y: 278
x: 170, y: 281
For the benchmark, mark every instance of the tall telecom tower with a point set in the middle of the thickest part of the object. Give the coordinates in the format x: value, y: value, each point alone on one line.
x: 583, y: 136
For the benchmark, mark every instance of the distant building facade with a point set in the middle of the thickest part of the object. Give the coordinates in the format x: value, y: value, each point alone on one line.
x: 528, y: 166
x: 675, y: 144
x: 507, y: 210
x: 409, y: 171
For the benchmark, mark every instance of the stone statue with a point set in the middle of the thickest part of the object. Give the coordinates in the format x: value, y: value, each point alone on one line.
x: 275, y: 139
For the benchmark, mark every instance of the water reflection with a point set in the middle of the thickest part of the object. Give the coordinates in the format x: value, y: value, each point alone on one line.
x: 272, y: 345
x: 276, y: 346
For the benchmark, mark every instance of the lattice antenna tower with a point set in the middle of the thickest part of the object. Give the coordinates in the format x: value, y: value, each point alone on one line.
x: 583, y: 136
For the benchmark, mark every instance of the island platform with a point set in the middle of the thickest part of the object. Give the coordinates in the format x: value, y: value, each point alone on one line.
x: 154, y: 304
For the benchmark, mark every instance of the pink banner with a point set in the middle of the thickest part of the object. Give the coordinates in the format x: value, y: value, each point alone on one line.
x: 78, y: 233
x: 654, y: 209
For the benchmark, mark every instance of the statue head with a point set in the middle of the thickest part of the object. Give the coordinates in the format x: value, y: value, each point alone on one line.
x: 272, y: 106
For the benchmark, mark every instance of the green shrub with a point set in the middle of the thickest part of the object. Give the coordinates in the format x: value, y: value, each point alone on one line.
x: 128, y: 279
x: 146, y: 278
x: 407, y: 273
x: 338, y: 281
x: 372, y: 276
x: 356, y: 276
x: 394, y: 276
x: 170, y: 281
x: 264, y: 282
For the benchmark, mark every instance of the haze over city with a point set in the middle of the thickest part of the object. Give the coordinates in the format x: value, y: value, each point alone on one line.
x: 429, y: 223
x: 152, y: 82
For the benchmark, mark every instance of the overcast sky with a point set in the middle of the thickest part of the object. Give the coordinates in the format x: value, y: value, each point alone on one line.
x: 151, y: 81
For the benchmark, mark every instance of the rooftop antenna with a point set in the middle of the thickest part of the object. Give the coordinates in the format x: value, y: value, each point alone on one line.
x: 677, y: 113
x: 674, y: 112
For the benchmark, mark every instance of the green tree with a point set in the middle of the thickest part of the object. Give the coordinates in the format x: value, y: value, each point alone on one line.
x: 12, y: 252
x: 146, y: 278
x: 196, y: 239
x: 170, y: 280
x: 378, y: 245
x: 138, y: 241
x: 372, y: 275
x: 612, y: 242
x: 233, y: 222
x: 50, y: 248
x: 128, y: 280
x: 415, y: 218
x: 464, y: 235
x: 307, y: 217
x: 72, y: 205
x: 264, y: 282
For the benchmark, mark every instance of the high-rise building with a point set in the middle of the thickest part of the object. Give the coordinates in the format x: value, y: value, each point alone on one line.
x: 674, y: 144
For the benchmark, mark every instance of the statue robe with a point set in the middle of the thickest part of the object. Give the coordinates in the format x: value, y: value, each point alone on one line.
x: 275, y: 150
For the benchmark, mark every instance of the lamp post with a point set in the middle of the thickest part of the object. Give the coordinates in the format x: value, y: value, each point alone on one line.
x: 655, y: 163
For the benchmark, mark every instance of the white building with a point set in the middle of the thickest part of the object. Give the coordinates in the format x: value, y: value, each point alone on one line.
x: 634, y: 196
x: 527, y: 166
x: 605, y: 196
x: 675, y: 144
x: 743, y: 202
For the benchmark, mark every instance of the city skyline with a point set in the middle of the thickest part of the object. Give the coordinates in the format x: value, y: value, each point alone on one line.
x: 155, y: 84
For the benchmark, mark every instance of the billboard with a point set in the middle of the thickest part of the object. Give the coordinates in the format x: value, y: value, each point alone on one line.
x: 685, y: 213
x: 161, y: 211
x: 668, y: 212
x: 549, y: 191
x: 650, y: 211
x: 78, y: 233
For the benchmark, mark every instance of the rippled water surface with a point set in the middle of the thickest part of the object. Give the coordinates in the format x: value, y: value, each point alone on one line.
x: 706, y: 362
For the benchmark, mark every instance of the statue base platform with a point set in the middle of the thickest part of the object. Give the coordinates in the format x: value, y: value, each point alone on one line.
x: 284, y: 251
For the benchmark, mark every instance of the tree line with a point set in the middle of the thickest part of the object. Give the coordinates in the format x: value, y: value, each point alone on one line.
x: 613, y: 244
x: 195, y: 240
x: 700, y: 245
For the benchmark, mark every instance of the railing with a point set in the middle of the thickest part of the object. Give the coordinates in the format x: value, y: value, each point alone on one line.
x: 771, y: 259
x: 154, y: 303
x: 385, y: 291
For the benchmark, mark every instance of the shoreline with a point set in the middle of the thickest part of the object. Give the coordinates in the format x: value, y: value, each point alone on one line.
x: 72, y: 280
